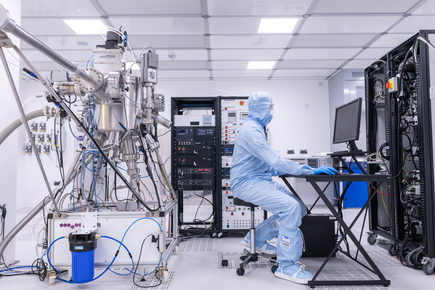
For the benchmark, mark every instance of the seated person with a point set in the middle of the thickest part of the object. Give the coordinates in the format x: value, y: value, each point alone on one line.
x: 253, y: 165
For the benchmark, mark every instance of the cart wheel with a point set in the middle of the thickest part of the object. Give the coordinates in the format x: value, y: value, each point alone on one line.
x: 225, y: 263
x: 240, y: 271
x: 273, y: 269
x: 165, y: 277
x: 371, y: 239
x: 427, y: 269
x: 219, y: 235
x: 212, y: 235
x: 242, y: 258
x: 393, y: 249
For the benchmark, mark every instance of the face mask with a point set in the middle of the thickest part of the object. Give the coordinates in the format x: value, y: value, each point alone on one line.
x: 271, y: 109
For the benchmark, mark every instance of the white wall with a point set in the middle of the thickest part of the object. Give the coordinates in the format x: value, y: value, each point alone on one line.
x: 8, y: 152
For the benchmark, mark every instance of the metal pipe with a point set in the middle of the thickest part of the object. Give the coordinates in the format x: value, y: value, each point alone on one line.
x: 26, y: 125
x: 17, y: 123
x: 9, y: 25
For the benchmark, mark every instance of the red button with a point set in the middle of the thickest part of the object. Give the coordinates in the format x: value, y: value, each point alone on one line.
x: 179, y: 148
x: 206, y: 169
x: 226, y: 184
x: 232, y: 213
x: 225, y: 108
x: 227, y: 207
x: 243, y: 213
x: 226, y: 127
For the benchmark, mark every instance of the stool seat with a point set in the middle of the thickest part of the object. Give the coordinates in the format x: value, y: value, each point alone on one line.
x: 238, y: 201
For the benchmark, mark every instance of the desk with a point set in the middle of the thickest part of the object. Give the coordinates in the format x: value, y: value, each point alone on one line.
x: 313, y: 179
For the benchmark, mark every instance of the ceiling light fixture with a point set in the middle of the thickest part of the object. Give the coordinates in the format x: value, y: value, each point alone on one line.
x: 86, y: 26
x: 273, y: 25
x: 261, y: 64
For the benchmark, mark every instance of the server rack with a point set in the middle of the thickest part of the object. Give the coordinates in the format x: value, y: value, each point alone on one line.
x: 408, y: 154
x: 195, y: 163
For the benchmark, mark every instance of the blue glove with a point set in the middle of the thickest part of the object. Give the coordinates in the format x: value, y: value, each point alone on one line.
x: 325, y: 170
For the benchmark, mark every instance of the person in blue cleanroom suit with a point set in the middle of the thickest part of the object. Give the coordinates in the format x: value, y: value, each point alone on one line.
x: 253, y: 165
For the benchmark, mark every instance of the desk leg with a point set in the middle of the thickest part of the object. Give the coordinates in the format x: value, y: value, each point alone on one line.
x: 294, y: 192
x: 347, y: 230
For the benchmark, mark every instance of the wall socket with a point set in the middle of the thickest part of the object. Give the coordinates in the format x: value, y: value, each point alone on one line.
x: 304, y: 151
x: 290, y: 151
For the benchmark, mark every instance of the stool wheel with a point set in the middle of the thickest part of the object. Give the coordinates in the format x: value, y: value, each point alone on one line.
x: 273, y: 269
x: 242, y: 258
x: 225, y: 263
x: 240, y: 271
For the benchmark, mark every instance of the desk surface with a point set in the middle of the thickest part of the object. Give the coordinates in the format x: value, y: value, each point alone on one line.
x: 344, y: 177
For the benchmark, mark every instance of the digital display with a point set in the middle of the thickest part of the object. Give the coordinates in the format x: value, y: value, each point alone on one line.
x: 181, y: 131
x: 231, y: 114
x: 201, y: 131
x: 228, y: 150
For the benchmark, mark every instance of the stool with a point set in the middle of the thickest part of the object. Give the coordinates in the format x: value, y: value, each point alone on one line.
x: 249, y: 256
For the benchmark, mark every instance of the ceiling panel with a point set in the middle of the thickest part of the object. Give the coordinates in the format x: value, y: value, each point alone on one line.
x: 321, y: 53
x: 252, y: 73
x: 366, y: 6
x: 164, y: 25
x: 229, y: 64
x: 151, y: 7
x: 68, y: 42
x: 303, y: 72
x: 58, y: 8
x: 391, y: 40
x: 182, y: 54
x: 255, y: 7
x: 359, y: 64
x: 185, y: 65
x: 246, y: 54
x: 47, y: 26
x: 167, y: 41
x: 234, y: 25
x: 71, y: 55
x: 412, y: 24
x: 183, y: 74
x: 426, y: 8
x: 310, y: 64
x: 338, y: 41
x: 342, y: 24
x: 253, y: 41
x: 372, y: 53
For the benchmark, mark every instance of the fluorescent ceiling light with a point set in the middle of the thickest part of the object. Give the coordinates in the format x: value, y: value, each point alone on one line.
x: 273, y: 25
x: 261, y: 64
x: 86, y: 26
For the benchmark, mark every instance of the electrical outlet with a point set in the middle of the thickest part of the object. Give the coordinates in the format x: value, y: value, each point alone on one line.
x: 290, y: 151
x: 304, y: 151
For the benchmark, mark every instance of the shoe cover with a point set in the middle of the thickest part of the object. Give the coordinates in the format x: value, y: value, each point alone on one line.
x: 295, y: 273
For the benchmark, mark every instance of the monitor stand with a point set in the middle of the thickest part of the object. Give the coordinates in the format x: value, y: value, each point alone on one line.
x: 353, y: 152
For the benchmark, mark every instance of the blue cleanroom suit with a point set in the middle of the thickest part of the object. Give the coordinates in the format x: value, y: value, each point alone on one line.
x: 253, y: 165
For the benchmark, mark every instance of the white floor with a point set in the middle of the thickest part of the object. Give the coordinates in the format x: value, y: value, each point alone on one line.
x: 198, y: 266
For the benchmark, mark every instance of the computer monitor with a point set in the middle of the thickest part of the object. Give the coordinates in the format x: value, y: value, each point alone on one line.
x: 347, y: 124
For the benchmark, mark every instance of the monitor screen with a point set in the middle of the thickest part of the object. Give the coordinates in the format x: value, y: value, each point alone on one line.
x: 347, y: 122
